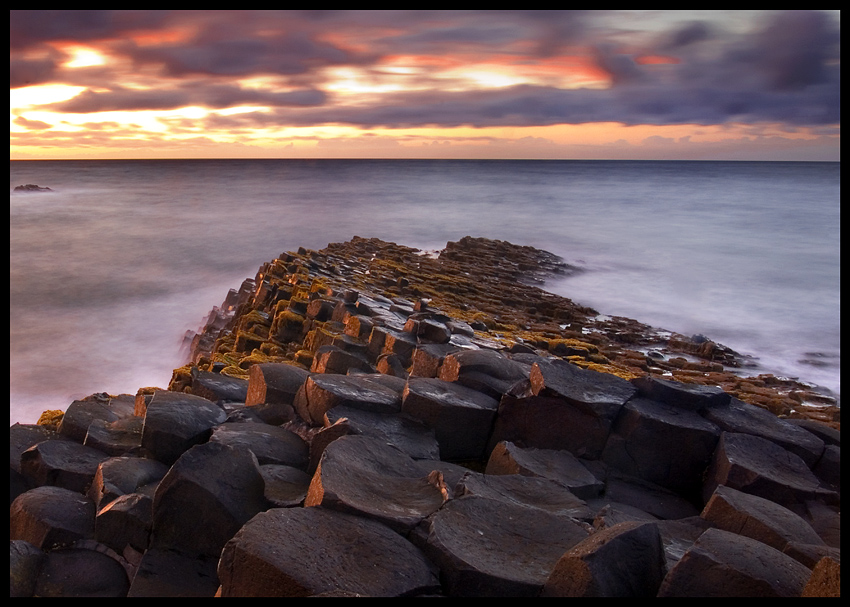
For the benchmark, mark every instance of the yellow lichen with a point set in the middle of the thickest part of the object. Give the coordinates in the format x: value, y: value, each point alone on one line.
x: 51, y: 419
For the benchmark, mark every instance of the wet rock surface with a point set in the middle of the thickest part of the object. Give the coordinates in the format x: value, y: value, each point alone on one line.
x: 369, y: 420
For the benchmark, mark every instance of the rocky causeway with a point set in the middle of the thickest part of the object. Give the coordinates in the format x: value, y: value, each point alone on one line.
x: 369, y: 419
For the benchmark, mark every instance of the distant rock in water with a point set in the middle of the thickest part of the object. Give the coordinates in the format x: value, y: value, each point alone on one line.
x: 31, y: 187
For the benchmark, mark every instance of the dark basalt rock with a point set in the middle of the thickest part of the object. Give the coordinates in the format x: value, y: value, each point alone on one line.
x: 361, y: 475
x: 482, y: 546
x: 598, y: 394
x: 75, y: 572
x: 626, y: 560
x: 118, y: 476
x: 174, y: 422
x: 415, y: 438
x: 270, y: 444
x: 163, y: 573
x: 461, y: 417
x: 49, y: 517
x: 543, y: 422
x: 724, y: 564
x: 62, y: 463
x: 686, y: 396
x: 125, y: 521
x: 537, y: 492
x: 206, y: 496
x: 217, y: 387
x: 576, y: 468
x: 557, y: 465
x: 738, y: 416
x: 758, y: 466
x: 285, y: 486
x: 31, y: 187
x: 758, y: 518
x: 322, y: 393
x: 294, y: 552
x: 274, y: 383
x: 25, y: 561
x: 646, y: 442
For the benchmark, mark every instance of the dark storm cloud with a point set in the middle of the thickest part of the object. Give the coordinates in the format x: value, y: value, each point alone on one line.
x: 214, y: 96
x: 29, y: 29
x: 786, y: 68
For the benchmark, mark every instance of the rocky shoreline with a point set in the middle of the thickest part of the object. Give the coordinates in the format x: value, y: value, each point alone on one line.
x: 373, y: 420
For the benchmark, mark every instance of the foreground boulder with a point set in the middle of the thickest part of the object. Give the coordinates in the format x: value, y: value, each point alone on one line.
x: 298, y: 552
x: 724, y: 564
x: 484, y: 546
x: 49, y: 517
x: 174, y: 422
x: 337, y: 434
x: 756, y: 465
x: 625, y: 560
x: 362, y: 475
x: 208, y: 494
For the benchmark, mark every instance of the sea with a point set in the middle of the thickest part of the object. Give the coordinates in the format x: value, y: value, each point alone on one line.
x: 111, y: 268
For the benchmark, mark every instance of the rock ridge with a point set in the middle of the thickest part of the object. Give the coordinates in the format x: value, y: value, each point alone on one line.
x: 373, y: 420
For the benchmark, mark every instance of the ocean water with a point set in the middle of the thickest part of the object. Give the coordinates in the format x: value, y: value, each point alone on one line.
x: 109, y: 270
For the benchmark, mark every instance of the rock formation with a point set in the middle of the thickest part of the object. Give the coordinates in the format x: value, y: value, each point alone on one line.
x: 370, y: 420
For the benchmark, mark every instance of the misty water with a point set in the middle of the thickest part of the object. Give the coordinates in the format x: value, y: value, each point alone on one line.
x: 111, y: 268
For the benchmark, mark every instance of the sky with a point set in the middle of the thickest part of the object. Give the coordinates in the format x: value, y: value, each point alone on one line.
x: 712, y: 85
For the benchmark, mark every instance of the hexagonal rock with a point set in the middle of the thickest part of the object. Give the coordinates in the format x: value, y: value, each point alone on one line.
x: 560, y: 466
x: 270, y: 444
x: 403, y: 431
x: 163, y: 573
x: 738, y: 416
x: 365, y: 476
x: 174, y: 422
x: 694, y: 397
x: 761, y: 467
x: 534, y: 491
x: 115, y: 438
x: 81, y: 413
x: 63, y: 463
x: 294, y: 552
x: 25, y: 561
x: 487, y: 547
x: 78, y: 572
x: 758, y: 518
x: 324, y: 392
x: 598, y: 394
x: 427, y: 358
x: 118, y: 476
x: 124, y: 521
x: 484, y: 370
x: 286, y: 487
x: 273, y: 383
x: 48, y: 517
x: 662, y: 444
x: 825, y: 580
x: 22, y: 437
x: 217, y: 387
x: 724, y: 564
x: 461, y: 417
x: 648, y: 497
x: 548, y: 423
x: 626, y: 560
x: 207, y: 495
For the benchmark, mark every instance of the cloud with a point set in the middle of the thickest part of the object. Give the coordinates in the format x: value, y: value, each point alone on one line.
x: 215, y: 96
x: 786, y: 68
x: 32, y: 125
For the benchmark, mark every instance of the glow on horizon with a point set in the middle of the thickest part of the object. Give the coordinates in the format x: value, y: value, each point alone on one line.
x: 439, y: 68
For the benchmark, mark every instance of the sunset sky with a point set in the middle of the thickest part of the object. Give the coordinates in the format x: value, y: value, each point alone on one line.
x: 738, y: 85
